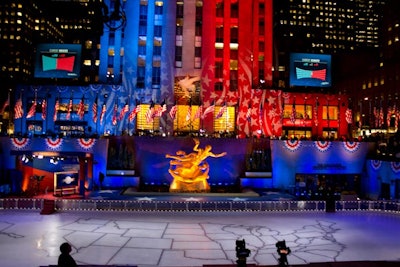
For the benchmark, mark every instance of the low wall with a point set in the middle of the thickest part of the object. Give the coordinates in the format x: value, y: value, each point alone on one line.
x: 194, y: 206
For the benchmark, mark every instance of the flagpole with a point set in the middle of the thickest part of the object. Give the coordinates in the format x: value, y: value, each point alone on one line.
x: 97, y: 108
x: 9, y: 112
x: 213, y: 120
x: 47, y: 103
x: 127, y: 121
x: 20, y: 97
x: 177, y: 119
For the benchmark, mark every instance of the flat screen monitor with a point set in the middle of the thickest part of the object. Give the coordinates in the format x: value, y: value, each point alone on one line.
x: 58, y: 61
x: 310, y: 70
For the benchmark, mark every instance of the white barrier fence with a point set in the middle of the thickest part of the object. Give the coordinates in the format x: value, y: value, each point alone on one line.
x: 193, y: 206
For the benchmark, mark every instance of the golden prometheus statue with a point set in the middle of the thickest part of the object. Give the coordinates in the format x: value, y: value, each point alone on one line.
x: 190, y: 171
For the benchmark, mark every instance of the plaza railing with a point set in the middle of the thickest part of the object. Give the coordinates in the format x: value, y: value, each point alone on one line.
x: 61, y: 205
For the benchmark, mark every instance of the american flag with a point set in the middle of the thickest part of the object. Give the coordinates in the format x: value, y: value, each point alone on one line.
x: 198, y: 113
x: 134, y: 112
x: 56, y: 107
x: 150, y: 113
x: 32, y: 110
x: 103, y: 113
x: 221, y: 111
x: 208, y: 110
x: 94, y: 111
x: 380, y: 117
x: 248, y: 113
x: 124, y: 110
x: 114, y: 117
x: 44, y: 109
x: 293, y: 113
x: 173, y: 111
x: 349, y: 116
x: 6, y: 104
x: 316, y: 114
x: 81, y: 109
x: 18, y: 110
x: 189, y: 113
x: 69, y: 109
x: 376, y: 116
x: 260, y: 116
x: 389, y: 116
x: 161, y: 109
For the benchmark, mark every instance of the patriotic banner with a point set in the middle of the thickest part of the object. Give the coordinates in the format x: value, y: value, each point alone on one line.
x: 19, y: 143
x: 292, y: 145
x: 322, y: 145
x: 86, y: 143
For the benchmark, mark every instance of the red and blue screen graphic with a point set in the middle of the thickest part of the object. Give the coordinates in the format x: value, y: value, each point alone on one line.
x: 310, y: 70
x: 58, y: 61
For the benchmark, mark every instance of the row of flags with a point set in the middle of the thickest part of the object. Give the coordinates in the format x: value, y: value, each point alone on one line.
x: 153, y: 112
x: 150, y: 114
x: 379, y: 117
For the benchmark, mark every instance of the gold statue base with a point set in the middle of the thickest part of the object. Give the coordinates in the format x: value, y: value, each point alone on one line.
x: 195, y: 187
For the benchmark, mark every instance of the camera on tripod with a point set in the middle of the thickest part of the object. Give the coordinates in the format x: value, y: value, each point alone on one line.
x: 241, y: 253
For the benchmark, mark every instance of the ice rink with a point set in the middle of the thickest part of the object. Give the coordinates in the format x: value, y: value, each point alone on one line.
x: 196, y: 238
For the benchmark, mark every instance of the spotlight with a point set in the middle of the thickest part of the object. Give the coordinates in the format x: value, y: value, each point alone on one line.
x: 54, y: 161
x: 25, y: 158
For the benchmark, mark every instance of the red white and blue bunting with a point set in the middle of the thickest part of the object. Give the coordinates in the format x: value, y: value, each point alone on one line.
x: 292, y: 145
x: 19, y: 143
x: 376, y: 164
x: 351, y: 146
x: 322, y: 145
x: 395, y: 166
x: 53, y: 143
x: 86, y: 143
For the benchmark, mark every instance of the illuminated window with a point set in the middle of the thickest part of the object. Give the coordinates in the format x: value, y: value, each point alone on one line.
x: 141, y: 61
x: 88, y: 44
x: 332, y: 113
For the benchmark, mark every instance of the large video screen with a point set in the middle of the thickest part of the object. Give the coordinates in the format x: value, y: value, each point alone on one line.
x: 313, y: 70
x: 58, y: 61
